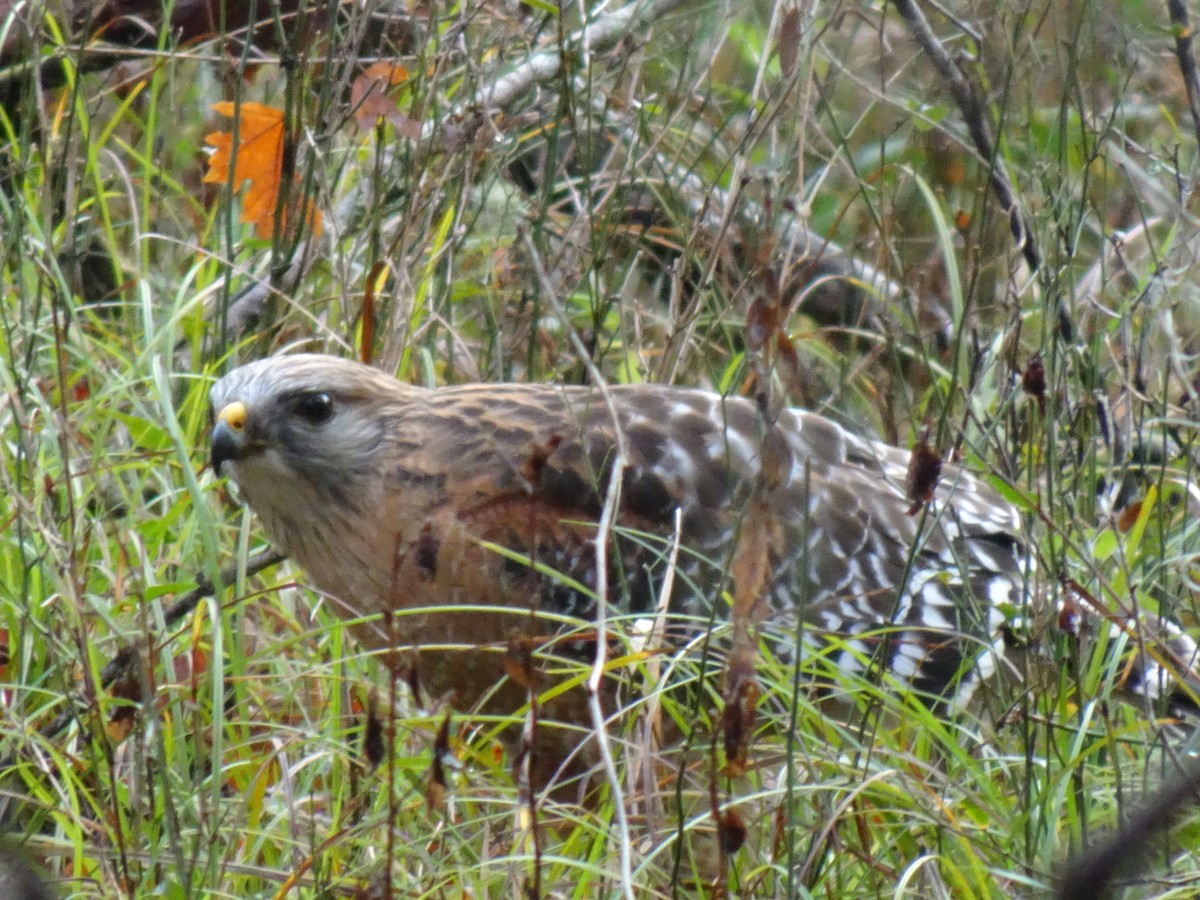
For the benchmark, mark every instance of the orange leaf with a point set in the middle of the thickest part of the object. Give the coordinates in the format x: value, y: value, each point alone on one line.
x: 257, y: 159
x: 369, y: 94
x: 1128, y: 517
x: 924, y: 470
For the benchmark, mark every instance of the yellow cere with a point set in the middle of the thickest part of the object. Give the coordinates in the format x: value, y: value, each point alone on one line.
x: 234, y: 415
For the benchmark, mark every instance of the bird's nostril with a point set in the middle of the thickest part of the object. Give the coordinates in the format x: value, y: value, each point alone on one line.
x: 233, y: 415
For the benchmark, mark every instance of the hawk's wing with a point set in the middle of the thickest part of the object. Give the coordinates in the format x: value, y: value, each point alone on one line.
x: 526, y: 468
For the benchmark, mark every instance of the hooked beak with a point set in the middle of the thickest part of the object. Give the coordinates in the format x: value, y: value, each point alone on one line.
x: 229, y: 440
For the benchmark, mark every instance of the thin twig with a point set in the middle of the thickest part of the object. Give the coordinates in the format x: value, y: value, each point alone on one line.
x: 120, y: 664
x: 714, y: 207
x: 84, y: 54
x: 972, y: 109
x: 598, y: 36
x: 655, y: 637
x: 1187, y: 60
x: 1094, y: 870
x: 123, y: 664
x: 604, y: 529
x: 264, y: 559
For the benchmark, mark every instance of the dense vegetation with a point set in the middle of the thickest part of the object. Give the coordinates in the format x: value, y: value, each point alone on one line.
x: 709, y: 194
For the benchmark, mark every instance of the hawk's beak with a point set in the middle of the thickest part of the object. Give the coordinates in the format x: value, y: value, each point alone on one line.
x: 229, y: 435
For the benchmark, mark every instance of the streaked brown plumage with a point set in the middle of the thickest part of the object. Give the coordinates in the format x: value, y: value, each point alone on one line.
x: 393, y: 497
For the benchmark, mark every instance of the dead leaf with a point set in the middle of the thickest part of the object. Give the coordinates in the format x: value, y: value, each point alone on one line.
x: 924, y: 470
x: 762, y: 321
x: 372, y: 97
x: 751, y: 571
x: 789, y: 41
x: 258, y: 159
x: 519, y: 663
x: 1128, y: 516
x: 789, y: 364
x: 1033, y: 381
x: 946, y: 159
x: 412, y: 677
x: 375, y: 281
x: 128, y: 687
x: 373, y: 744
x: 737, y: 721
x: 731, y: 832
x: 435, y: 790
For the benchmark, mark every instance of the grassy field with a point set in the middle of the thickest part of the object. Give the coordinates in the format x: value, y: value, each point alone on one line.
x: 695, y: 193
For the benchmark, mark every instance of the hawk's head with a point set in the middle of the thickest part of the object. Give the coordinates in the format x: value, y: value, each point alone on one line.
x: 300, y: 435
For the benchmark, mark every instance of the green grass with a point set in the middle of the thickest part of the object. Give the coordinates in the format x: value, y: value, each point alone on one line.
x: 598, y: 203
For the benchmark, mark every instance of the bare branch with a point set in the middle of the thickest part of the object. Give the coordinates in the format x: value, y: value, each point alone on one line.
x: 604, y: 530
x: 712, y: 206
x: 120, y: 666
x: 973, y: 113
x: 1187, y: 60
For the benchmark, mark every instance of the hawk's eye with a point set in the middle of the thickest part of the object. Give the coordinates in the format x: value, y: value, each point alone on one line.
x: 315, y: 407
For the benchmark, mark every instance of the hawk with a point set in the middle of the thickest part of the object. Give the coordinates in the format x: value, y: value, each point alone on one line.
x: 455, y: 512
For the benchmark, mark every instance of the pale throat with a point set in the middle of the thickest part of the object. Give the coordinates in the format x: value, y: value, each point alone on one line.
x: 335, y: 543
